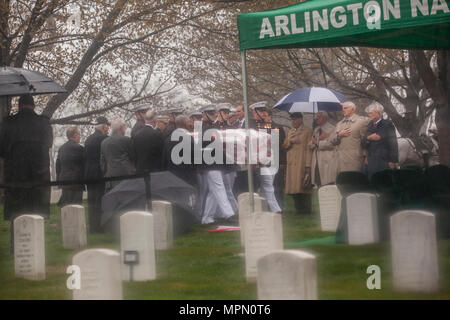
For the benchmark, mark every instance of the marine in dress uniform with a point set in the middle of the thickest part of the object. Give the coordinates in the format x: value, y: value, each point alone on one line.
x: 217, y: 205
x: 265, y: 175
x: 139, y: 112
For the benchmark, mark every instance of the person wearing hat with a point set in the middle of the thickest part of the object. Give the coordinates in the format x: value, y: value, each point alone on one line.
x: 92, y: 170
x: 223, y: 110
x: 298, y: 170
x: 217, y: 204
x: 173, y: 113
x: 139, y: 112
x: 209, y: 117
x: 265, y: 176
x: 233, y: 118
x: 259, y: 113
x: 194, y: 116
x: 25, y: 140
x: 161, y: 123
x: 228, y: 170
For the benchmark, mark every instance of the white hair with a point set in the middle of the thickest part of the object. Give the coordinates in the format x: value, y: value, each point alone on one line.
x: 116, y: 125
x: 350, y: 104
x: 378, y: 108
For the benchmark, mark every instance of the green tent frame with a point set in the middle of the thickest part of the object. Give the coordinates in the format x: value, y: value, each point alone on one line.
x: 393, y: 24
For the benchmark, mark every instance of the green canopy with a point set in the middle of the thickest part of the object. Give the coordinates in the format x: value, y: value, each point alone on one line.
x: 421, y: 24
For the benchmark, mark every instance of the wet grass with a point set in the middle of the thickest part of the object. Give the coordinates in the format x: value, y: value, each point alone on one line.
x: 210, y: 265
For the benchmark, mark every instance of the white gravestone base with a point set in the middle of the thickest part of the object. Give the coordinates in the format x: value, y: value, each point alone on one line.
x: 162, y: 224
x: 137, y: 234
x: 362, y: 218
x: 263, y: 235
x: 100, y: 275
x: 73, y: 225
x: 29, y: 247
x: 287, y: 275
x: 414, y: 251
x: 330, y: 207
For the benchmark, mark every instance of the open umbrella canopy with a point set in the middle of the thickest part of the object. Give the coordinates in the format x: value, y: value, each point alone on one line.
x: 19, y: 81
x: 311, y: 100
x: 130, y: 195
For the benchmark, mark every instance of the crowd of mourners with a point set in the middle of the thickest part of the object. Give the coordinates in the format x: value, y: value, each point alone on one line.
x: 308, y: 157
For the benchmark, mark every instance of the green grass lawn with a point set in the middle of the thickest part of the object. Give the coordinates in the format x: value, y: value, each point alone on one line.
x: 210, y: 265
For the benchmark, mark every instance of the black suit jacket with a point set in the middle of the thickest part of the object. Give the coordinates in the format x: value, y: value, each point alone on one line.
x: 25, y: 139
x: 70, y: 164
x: 148, y: 147
x: 92, y: 145
x: 385, y: 150
x: 185, y: 171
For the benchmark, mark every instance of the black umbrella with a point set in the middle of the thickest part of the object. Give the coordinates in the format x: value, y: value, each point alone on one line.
x: 19, y: 81
x: 130, y: 195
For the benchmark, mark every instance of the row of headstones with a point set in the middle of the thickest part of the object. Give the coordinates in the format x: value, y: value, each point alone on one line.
x: 414, y: 256
x: 413, y: 249
x: 73, y: 225
x: 141, y: 234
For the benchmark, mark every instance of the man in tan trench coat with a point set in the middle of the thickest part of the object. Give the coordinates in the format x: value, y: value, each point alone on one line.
x: 347, y: 139
x: 324, y: 164
x: 298, y: 163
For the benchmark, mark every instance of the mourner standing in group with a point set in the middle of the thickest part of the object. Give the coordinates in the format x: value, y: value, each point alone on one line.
x: 117, y: 155
x: 70, y: 166
x: 348, y: 137
x: 148, y: 145
x: 25, y: 140
x: 380, y: 141
x: 298, y: 168
x: 323, y: 163
x: 92, y: 171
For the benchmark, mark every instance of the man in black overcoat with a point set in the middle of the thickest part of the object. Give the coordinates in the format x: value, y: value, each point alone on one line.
x: 92, y: 170
x: 25, y: 140
x: 70, y: 166
x: 148, y: 146
x: 117, y: 154
x: 380, y: 141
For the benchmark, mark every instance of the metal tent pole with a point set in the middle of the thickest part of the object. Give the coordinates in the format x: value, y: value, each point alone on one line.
x: 249, y: 167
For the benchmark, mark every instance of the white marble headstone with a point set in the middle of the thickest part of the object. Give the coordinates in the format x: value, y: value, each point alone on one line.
x: 362, y: 218
x: 245, y: 195
x: 414, y: 251
x: 260, y: 205
x: 73, y: 225
x: 29, y: 247
x: 162, y: 224
x: 330, y: 207
x: 100, y: 275
x: 263, y: 235
x: 137, y: 234
x: 55, y: 195
x: 287, y: 275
